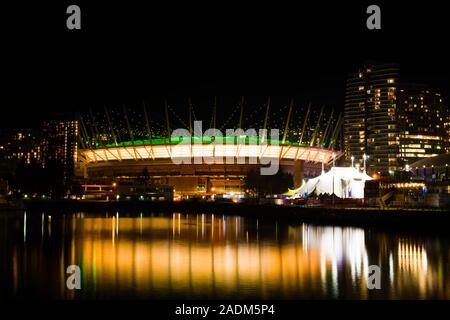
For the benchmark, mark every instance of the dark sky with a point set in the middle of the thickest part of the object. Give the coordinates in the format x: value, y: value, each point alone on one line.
x: 127, y: 53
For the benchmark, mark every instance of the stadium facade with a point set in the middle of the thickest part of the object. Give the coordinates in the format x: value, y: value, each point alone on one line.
x: 207, y: 165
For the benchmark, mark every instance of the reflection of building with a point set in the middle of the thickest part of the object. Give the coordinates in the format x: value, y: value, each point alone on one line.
x: 213, y: 256
x: 219, y: 256
x: 59, y: 144
x: 412, y: 256
x: 370, y: 116
x: 421, y: 119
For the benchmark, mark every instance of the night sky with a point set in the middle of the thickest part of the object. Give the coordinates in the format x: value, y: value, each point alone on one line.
x: 126, y: 54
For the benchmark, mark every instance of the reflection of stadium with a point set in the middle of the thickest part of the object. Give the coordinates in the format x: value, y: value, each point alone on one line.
x: 194, y: 254
x: 215, y: 164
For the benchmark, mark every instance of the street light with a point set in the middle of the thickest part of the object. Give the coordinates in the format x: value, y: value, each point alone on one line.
x: 407, y: 168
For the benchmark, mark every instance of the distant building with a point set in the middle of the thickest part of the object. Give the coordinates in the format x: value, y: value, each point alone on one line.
x: 20, y: 144
x: 370, y: 125
x: 59, y: 144
x: 392, y: 123
x: 421, y: 122
x: 447, y: 130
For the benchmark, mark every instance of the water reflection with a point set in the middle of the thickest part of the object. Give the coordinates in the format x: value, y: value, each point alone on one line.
x: 212, y: 256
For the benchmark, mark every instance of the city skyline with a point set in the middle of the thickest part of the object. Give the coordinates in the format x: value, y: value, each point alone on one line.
x: 183, y: 158
x: 378, y: 86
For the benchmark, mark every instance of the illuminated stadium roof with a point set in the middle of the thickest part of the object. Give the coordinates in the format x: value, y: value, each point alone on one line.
x: 302, y: 138
x: 217, y: 151
x: 203, y: 140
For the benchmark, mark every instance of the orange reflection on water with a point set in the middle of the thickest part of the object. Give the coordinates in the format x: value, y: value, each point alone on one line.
x: 187, y: 263
x: 202, y: 255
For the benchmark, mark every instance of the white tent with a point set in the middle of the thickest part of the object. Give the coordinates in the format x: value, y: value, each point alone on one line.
x: 344, y: 182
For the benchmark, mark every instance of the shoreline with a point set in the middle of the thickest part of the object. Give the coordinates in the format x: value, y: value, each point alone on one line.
x: 417, y: 220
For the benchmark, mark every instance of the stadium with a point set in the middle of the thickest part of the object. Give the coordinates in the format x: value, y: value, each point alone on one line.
x: 206, y: 165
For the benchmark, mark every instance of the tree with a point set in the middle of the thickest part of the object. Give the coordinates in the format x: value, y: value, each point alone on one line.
x: 264, y: 184
x: 144, y: 177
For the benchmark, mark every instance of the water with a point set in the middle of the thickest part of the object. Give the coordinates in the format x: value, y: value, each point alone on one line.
x: 141, y: 256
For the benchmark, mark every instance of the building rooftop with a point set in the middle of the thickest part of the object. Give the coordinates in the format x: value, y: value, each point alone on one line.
x: 438, y: 161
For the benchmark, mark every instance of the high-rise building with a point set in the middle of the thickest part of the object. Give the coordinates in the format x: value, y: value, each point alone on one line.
x: 59, y: 144
x: 370, y: 126
x: 447, y: 130
x: 18, y: 146
x: 21, y: 145
x: 422, y: 118
x: 392, y: 123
